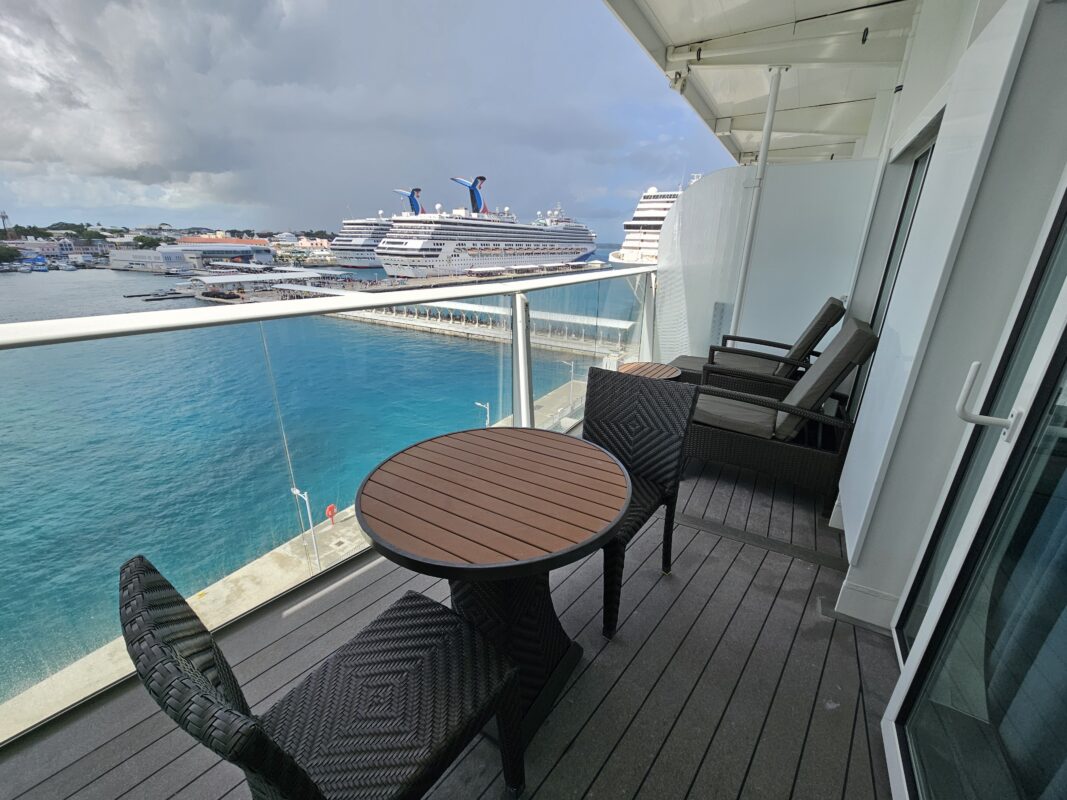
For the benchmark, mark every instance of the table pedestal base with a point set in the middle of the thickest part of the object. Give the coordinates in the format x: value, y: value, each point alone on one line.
x: 517, y: 615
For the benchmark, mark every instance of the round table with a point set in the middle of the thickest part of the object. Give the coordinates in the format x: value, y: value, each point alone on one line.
x: 650, y: 369
x: 494, y: 510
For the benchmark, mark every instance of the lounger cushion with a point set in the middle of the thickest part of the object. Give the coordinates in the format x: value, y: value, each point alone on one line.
x: 734, y: 415
x: 753, y: 364
x: 853, y: 345
x: 829, y: 315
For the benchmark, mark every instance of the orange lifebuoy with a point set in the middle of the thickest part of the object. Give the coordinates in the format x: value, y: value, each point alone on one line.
x: 331, y: 512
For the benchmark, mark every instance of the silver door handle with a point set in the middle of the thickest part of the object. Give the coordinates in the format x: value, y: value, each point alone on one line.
x: 1009, y: 424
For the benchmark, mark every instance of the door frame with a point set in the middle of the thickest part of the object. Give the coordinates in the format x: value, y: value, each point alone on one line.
x: 1047, y: 363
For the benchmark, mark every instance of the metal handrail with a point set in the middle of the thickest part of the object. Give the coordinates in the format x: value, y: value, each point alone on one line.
x: 74, y: 329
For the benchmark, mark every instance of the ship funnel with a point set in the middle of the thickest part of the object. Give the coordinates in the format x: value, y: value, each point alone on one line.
x: 478, y: 205
x: 413, y: 199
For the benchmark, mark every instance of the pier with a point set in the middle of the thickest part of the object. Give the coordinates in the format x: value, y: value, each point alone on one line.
x: 570, y: 333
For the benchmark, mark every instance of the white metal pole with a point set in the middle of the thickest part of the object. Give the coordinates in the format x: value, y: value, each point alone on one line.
x: 521, y: 381
x: 311, y: 526
x: 570, y: 386
x: 757, y: 190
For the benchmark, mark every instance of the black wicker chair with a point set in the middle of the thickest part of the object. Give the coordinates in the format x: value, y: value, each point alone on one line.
x: 754, y: 365
x: 382, y: 717
x: 791, y: 438
x: 643, y: 423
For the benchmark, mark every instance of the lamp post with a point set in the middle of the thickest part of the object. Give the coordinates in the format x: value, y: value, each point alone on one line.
x: 311, y: 524
x: 484, y: 405
x: 570, y: 386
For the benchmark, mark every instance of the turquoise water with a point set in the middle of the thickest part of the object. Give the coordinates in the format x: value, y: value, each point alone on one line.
x: 169, y: 444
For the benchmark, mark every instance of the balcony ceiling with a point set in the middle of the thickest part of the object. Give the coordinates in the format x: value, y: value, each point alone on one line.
x: 841, y: 54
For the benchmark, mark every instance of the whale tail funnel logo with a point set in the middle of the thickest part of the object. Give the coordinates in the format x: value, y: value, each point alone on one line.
x: 413, y: 199
x: 478, y: 205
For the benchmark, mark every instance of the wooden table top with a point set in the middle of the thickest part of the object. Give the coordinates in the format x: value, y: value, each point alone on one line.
x: 493, y: 502
x: 650, y: 369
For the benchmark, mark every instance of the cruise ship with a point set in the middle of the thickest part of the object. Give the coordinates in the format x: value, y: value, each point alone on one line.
x: 442, y: 243
x: 640, y: 246
x: 354, y: 245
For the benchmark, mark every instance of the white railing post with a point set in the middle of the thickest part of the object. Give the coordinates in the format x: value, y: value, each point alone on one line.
x: 646, y: 352
x: 757, y: 192
x: 521, y: 368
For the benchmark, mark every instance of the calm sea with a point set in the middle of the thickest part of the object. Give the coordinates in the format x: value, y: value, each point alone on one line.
x: 170, y: 444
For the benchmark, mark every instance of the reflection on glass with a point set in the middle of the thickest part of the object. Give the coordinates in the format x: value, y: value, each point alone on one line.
x: 1019, y: 358
x: 577, y: 327
x: 992, y: 711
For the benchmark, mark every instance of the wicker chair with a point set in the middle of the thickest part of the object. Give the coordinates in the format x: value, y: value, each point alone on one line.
x: 382, y: 717
x: 789, y: 438
x: 754, y: 364
x: 643, y: 423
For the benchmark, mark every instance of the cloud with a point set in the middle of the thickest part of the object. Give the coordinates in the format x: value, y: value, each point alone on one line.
x: 296, y: 113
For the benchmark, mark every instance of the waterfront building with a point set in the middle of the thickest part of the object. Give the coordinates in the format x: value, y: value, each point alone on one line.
x: 32, y: 245
x: 200, y: 251
x: 162, y: 260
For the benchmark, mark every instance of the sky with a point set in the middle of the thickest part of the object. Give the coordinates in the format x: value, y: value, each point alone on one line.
x: 291, y: 114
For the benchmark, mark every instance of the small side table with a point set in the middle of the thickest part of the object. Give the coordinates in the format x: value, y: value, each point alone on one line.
x: 650, y: 369
x: 494, y: 510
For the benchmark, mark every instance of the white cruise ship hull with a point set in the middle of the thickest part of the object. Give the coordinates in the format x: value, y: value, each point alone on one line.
x: 458, y: 263
x: 633, y: 258
x: 432, y: 245
x: 356, y: 260
x: 354, y: 244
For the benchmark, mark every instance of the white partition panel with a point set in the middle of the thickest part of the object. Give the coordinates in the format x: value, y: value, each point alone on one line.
x: 699, y: 253
x: 807, y: 239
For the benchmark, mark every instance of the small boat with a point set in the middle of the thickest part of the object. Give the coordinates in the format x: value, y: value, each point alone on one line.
x: 68, y: 268
x: 25, y: 268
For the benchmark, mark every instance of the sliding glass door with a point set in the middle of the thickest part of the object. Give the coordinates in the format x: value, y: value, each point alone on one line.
x: 1048, y: 279
x: 981, y: 707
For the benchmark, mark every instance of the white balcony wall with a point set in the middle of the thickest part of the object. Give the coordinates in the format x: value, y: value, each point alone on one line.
x: 809, y: 232
x: 971, y: 243
x: 807, y: 238
x: 699, y: 255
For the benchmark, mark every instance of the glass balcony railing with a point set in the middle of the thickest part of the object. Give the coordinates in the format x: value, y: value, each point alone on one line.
x: 573, y: 328
x: 231, y: 455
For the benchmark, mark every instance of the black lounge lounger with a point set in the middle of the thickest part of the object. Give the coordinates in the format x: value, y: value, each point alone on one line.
x: 728, y: 357
x: 789, y: 438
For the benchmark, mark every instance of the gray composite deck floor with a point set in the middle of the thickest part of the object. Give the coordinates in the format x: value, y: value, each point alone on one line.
x: 724, y: 680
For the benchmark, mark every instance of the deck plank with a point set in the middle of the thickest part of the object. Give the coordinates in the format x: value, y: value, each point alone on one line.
x: 824, y: 764
x: 725, y: 763
x: 759, y: 513
x: 681, y: 754
x: 741, y: 500
x: 719, y: 504
x: 776, y: 757
x: 781, y: 526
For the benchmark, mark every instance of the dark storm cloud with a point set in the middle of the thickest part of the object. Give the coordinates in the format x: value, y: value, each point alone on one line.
x: 292, y: 114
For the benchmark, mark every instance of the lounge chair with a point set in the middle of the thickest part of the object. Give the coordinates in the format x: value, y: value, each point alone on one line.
x: 790, y: 438
x: 382, y: 717
x: 643, y: 423
x: 758, y: 362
